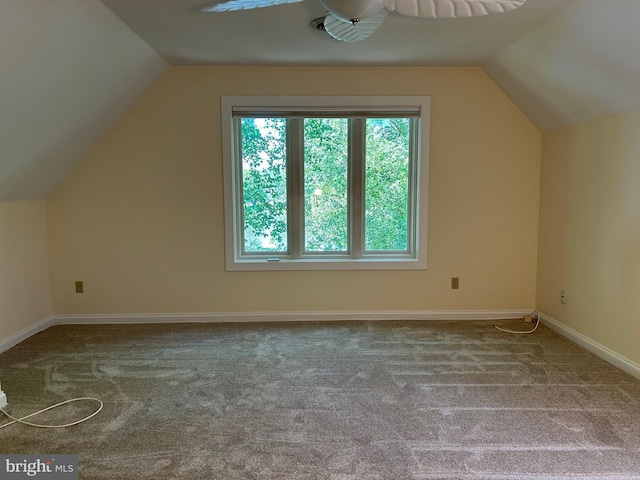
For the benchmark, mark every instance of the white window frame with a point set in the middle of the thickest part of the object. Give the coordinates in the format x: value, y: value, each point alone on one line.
x: 356, y: 105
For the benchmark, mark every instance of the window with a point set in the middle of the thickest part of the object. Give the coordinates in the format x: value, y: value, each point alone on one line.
x: 325, y: 182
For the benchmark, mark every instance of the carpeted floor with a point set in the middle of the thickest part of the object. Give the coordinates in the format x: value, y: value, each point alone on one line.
x: 339, y: 401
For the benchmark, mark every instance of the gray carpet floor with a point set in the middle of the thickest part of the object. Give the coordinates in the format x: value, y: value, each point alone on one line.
x: 337, y: 401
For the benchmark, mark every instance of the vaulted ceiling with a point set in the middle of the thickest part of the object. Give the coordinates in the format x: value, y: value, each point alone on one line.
x: 72, y: 68
x: 580, y: 65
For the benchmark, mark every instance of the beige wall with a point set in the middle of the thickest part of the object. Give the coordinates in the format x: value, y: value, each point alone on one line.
x: 25, y: 293
x: 590, y: 231
x: 140, y: 220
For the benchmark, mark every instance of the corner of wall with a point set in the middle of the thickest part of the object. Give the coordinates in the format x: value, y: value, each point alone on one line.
x: 25, y: 283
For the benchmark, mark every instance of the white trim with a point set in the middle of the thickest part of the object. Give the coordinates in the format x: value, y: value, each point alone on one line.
x: 248, y: 317
x: 259, y: 317
x: 315, y: 103
x: 592, y: 346
x: 22, y: 335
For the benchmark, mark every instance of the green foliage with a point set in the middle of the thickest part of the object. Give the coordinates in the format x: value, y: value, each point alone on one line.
x: 325, y: 188
x: 387, y: 184
x: 325, y: 184
x: 264, y: 184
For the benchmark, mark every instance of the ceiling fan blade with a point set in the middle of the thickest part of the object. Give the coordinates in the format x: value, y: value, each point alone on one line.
x: 451, y: 8
x: 234, y: 5
x: 347, y: 32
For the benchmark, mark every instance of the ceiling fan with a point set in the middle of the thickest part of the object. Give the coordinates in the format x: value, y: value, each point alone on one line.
x: 355, y: 20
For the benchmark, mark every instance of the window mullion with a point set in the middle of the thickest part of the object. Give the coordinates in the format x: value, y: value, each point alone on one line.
x: 295, y: 179
x: 356, y: 195
x: 238, y: 218
x: 413, y: 197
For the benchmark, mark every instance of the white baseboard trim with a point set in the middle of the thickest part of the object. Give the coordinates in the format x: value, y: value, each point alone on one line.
x: 261, y: 317
x: 592, y: 346
x: 22, y: 335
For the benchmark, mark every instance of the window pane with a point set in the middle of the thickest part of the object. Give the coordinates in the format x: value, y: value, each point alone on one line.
x: 325, y: 184
x: 264, y: 184
x: 387, y: 184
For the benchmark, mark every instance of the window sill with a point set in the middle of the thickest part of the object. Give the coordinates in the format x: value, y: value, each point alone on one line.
x: 327, y: 264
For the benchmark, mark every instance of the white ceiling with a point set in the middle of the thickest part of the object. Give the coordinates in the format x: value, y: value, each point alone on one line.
x: 182, y: 34
x: 72, y: 68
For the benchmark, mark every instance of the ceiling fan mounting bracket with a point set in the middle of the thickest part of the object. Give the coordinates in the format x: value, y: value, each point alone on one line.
x: 318, y: 23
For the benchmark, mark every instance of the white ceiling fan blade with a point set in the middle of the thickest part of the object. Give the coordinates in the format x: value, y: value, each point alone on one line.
x: 347, y: 32
x: 451, y: 8
x: 234, y: 5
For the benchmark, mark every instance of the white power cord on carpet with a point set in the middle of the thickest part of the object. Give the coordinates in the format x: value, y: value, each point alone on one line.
x: 22, y: 419
x: 520, y: 332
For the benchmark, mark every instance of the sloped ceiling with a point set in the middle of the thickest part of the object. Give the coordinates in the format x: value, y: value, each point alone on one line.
x: 70, y: 69
x: 580, y: 65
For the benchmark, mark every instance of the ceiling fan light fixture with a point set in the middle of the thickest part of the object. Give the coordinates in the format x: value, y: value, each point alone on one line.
x: 350, y: 32
x: 354, y: 10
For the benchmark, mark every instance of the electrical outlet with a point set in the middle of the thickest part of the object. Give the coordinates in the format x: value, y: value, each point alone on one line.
x: 455, y: 283
x: 79, y: 286
x: 563, y: 297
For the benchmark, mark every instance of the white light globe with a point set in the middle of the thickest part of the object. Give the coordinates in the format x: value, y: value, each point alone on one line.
x: 348, y: 10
